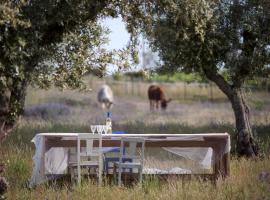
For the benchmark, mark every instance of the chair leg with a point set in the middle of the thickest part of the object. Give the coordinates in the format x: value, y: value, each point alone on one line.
x: 71, y: 170
x: 114, y: 173
x: 106, y: 166
x: 100, y: 169
x: 140, y: 175
x: 119, y: 175
x: 99, y: 176
x: 79, y: 175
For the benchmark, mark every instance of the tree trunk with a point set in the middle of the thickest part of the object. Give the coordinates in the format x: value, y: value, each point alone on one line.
x: 4, y: 101
x: 246, y: 145
x: 11, y: 106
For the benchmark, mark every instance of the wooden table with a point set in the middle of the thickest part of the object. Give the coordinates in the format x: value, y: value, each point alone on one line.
x: 219, y: 142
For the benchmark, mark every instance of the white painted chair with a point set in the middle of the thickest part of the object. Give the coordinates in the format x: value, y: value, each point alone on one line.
x: 88, y: 157
x: 130, y: 152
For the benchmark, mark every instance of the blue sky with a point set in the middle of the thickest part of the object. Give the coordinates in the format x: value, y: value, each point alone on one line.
x: 119, y: 36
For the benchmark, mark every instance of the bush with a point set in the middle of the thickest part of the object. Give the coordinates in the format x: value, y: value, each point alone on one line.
x: 47, y: 111
x: 117, y: 76
x: 180, y: 76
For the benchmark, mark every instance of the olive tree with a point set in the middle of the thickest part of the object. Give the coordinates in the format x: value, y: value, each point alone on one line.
x: 213, y: 38
x: 45, y: 43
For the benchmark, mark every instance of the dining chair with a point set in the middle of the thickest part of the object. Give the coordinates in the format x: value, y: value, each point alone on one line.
x: 112, y: 156
x: 88, y: 157
x: 129, y: 150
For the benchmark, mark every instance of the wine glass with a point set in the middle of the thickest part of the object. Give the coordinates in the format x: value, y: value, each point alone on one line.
x: 99, y: 129
x: 105, y: 129
x: 93, y: 128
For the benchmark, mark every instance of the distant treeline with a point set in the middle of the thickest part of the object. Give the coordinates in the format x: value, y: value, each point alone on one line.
x: 260, y: 83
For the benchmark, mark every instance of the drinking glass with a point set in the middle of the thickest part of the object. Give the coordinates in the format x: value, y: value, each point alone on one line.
x: 105, y: 129
x: 93, y: 128
x: 99, y: 129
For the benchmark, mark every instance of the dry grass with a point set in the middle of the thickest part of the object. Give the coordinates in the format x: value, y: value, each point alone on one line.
x: 84, y: 108
x: 189, y: 114
x: 243, y: 183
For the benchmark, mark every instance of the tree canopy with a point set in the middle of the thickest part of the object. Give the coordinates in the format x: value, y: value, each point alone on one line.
x: 45, y: 43
x: 210, y: 37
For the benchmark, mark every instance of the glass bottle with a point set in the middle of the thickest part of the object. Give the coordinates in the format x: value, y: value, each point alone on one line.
x: 109, y: 123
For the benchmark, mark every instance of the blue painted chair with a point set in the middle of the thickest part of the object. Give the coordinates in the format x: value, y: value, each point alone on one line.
x: 136, y: 157
x: 113, y: 159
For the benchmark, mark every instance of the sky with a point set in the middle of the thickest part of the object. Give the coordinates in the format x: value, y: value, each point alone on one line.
x: 119, y: 38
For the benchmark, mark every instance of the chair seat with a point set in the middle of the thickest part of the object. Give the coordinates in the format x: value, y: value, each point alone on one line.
x: 128, y: 164
x: 85, y: 164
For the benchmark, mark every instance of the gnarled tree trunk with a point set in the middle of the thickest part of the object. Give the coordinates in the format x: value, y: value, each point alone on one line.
x: 245, y: 143
x: 11, y: 106
x: 4, y: 101
x: 244, y: 136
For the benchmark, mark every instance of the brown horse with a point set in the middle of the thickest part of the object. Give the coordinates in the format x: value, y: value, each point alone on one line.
x: 156, y: 96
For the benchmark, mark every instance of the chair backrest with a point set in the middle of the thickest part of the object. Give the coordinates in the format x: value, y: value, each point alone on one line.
x: 88, y: 138
x: 130, y: 151
x: 89, y: 153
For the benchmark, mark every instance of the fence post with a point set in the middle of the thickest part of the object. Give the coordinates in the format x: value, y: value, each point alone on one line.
x: 211, y: 92
x: 185, y: 91
x: 126, y: 86
x: 132, y: 84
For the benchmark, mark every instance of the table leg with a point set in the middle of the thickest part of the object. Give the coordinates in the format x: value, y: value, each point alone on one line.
x: 226, y: 164
x: 216, y: 163
x: 221, y: 163
x: 100, y: 168
x: 42, y: 161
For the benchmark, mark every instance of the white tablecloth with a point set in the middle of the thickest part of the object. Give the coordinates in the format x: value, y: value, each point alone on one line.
x: 56, y: 160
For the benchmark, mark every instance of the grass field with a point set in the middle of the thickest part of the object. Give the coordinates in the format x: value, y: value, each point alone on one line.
x: 73, y: 111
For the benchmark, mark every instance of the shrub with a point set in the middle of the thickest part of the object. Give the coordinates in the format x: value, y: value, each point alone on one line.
x: 47, y: 111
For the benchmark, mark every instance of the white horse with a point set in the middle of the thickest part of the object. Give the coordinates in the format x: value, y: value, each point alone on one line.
x: 105, y: 97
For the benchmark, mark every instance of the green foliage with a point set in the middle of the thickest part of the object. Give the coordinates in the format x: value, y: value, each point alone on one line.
x: 179, y: 76
x: 117, y: 76
x: 208, y: 36
x: 46, y: 43
x: 47, y: 47
x: 259, y: 83
x: 138, y: 75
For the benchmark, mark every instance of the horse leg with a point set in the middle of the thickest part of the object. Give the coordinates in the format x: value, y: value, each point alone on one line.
x: 157, y: 105
x: 151, y: 105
